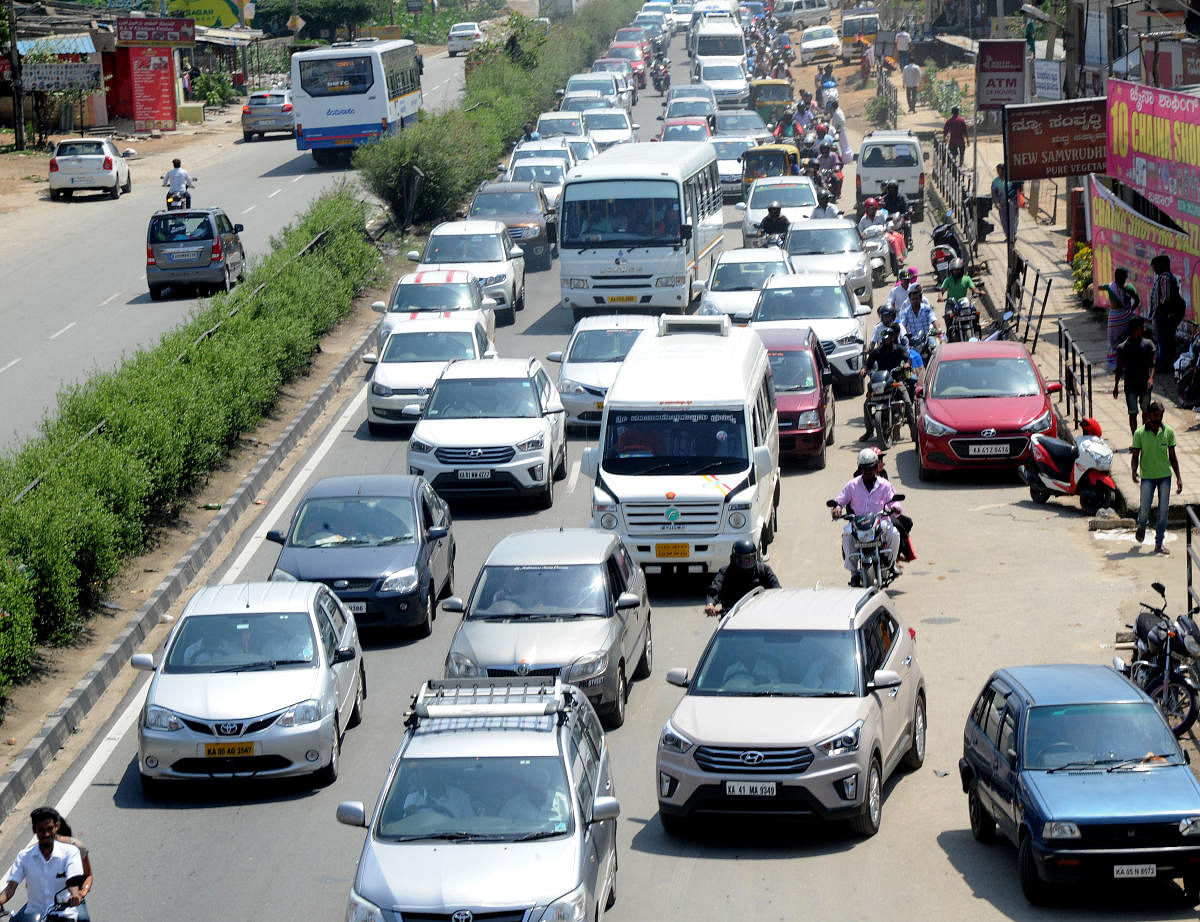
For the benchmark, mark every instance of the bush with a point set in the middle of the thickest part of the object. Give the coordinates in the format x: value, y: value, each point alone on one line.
x: 167, y: 422
x: 877, y: 111
x: 1082, y: 271
x: 214, y: 89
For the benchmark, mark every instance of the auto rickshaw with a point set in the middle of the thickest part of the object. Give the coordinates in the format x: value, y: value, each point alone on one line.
x: 771, y: 99
x: 768, y: 160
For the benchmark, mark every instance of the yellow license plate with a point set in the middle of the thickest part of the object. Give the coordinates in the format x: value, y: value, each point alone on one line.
x: 622, y: 299
x: 226, y: 750
x: 599, y: 404
x: 671, y: 550
x: 343, y: 140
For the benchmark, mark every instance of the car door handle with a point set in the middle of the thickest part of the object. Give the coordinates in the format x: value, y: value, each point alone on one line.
x: 893, y: 693
x: 908, y: 660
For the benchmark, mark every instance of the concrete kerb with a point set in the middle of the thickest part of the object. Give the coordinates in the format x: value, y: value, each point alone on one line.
x: 63, y: 722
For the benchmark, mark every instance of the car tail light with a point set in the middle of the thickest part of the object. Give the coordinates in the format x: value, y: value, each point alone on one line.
x: 107, y: 164
x: 150, y: 260
x: 217, y: 253
x: 245, y: 110
x: 287, y: 107
x: 921, y: 181
x: 858, y: 182
x: 53, y: 164
x: 912, y: 634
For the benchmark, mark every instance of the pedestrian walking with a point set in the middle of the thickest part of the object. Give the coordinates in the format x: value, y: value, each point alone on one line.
x: 1123, y: 304
x: 955, y: 134
x: 903, y: 45
x: 1135, y: 362
x: 1153, y: 460
x: 1008, y: 198
x: 1166, y: 309
x: 911, y: 76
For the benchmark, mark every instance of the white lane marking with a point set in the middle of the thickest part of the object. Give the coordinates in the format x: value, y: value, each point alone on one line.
x: 109, y: 299
x: 440, y: 85
x: 107, y: 746
x: 298, y: 178
x: 574, y: 479
x: 275, y: 193
x: 299, y: 479
x: 4, y: 368
x: 62, y: 331
x: 250, y: 209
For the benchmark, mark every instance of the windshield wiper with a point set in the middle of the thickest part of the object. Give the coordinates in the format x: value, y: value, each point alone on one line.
x: 394, y: 539
x: 448, y: 836
x: 246, y: 667
x: 1149, y: 758
x: 704, y: 469
x: 1088, y: 763
x: 540, y: 834
x: 340, y: 540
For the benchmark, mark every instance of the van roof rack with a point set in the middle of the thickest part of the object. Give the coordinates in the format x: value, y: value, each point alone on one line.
x: 508, y: 697
x: 709, y: 325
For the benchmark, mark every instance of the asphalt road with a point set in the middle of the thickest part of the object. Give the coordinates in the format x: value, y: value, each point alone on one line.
x: 998, y: 581
x: 73, y: 299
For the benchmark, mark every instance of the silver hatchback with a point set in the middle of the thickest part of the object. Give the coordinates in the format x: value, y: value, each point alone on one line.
x: 199, y: 248
x: 270, y: 110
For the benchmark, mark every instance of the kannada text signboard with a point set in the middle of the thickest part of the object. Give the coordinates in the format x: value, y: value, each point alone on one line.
x: 1048, y: 140
x: 155, y: 33
x: 1000, y: 73
x: 61, y: 75
x: 153, y: 89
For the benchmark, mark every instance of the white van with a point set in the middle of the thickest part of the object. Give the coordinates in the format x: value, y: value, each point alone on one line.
x: 800, y: 14
x: 687, y: 460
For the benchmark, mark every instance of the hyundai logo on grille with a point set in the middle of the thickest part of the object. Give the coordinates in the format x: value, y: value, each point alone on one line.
x: 474, y: 453
x: 988, y: 433
x: 463, y: 915
x: 228, y: 728
x: 752, y: 757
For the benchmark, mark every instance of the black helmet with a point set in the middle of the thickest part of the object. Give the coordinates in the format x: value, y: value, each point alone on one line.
x: 744, y: 553
x: 774, y: 207
x: 824, y: 197
x: 893, y: 186
x: 887, y: 316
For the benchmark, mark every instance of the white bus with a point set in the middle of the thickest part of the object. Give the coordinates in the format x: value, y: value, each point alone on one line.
x: 352, y: 93
x: 638, y: 225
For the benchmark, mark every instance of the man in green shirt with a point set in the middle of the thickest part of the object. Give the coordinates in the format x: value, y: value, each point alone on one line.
x: 957, y: 284
x: 1154, y: 459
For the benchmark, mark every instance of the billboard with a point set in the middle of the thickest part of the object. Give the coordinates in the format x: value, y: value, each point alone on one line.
x: 155, y: 33
x: 153, y: 88
x: 1000, y: 73
x: 1047, y: 140
x: 61, y: 75
x: 214, y: 14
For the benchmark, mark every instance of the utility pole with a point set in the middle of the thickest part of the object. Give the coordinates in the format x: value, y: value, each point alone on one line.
x: 14, y: 57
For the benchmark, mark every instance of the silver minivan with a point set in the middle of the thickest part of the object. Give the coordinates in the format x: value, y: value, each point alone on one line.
x: 498, y: 805
x: 800, y: 14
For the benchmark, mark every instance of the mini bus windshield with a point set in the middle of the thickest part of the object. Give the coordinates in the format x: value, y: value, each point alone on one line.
x: 621, y: 214
x: 348, y: 76
x: 676, y: 442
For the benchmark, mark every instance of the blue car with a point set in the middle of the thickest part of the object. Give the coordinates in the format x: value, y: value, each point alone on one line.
x: 1077, y: 768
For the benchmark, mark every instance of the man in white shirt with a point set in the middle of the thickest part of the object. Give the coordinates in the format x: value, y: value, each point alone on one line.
x: 47, y: 867
x: 179, y: 181
x: 911, y: 76
x: 872, y: 214
x: 897, y: 298
x: 903, y: 45
x: 825, y: 208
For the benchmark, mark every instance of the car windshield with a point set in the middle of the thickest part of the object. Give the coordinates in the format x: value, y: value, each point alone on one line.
x: 620, y: 214
x: 498, y: 798
x: 602, y: 345
x: 808, y: 302
x: 631, y: 35
x: 496, y: 203
x: 549, y: 174
x: 1127, y: 734
x: 825, y: 241
x: 534, y: 153
x: 241, y: 641
x: 681, y: 9
x: 449, y: 296
x: 484, y: 398
x: 685, y: 133
x: 676, y: 442
x: 554, y: 126
x: 539, y: 591
x: 584, y: 82
x: 626, y: 54
x: 793, y: 370
x: 748, y: 276
x: 720, y: 46
x: 731, y: 150
x: 985, y: 377
x: 583, y: 150
x: 180, y: 228
x: 821, y: 33
x: 429, y: 346
x: 604, y: 120
x: 721, y: 72
x: 81, y: 149
x: 741, y: 121
x: 769, y: 663
x: 683, y: 108
x: 463, y: 28
x: 464, y: 248
x: 691, y: 91
x: 789, y: 195
x: 903, y: 154
x: 585, y: 103
x: 354, y: 521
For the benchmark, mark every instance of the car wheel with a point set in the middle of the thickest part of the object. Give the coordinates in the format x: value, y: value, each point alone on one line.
x: 1191, y: 888
x: 983, y: 827
x: 1039, y: 495
x: 519, y: 300
x: 116, y: 189
x: 614, y: 715
x: 156, y: 292
x: 611, y: 900
x: 356, y: 714
x: 128, y: 187
x: 329, y: 774
x: 545, y: 499
x: 425, y: 626
x: 674, y: 825
x: 646, y: 664
x: 66, y: 193
x: 867, y: 824
x: 560, y: 469
x: 829, y: 435
x: 926, y: 474
x: 510, y: 317
x: 915, y: 757
x: 376, y: 429
x: 1032, y: 884
x: 247, y: 136
x: 55, y: 195
x: 817, y: 461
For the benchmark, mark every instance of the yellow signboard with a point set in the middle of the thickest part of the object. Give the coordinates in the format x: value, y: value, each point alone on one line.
x: 212, y: 13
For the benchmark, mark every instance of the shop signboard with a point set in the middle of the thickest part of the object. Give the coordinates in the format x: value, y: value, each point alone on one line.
x: 1000, y: 73
x: 153, y: 89
x: 173, y: 32
x: 1049, y: 140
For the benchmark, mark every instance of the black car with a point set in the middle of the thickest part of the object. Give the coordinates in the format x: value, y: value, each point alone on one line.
x: 383, y: 543
x: 526, y: 212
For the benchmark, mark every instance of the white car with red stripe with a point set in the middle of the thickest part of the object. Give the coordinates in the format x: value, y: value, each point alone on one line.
x: 418, y: 295
x: 485, y: 249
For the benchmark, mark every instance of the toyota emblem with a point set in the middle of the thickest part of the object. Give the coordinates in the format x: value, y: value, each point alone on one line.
x: 522, y: 668
x: 463, y: 915
x: 752, y: 757
x: 228, y: 728
x: 988, y: 433
x: 474, y: 453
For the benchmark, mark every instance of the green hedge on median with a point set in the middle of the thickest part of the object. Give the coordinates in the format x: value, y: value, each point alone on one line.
x: 168, y: 425
x: 459, y: 148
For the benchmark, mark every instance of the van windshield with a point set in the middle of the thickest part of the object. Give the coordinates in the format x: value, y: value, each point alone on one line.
x: 720, y: 46
x: 620, y: 214
x: 676, y: 442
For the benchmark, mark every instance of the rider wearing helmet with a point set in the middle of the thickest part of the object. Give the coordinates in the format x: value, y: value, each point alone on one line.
x: 894, y: 200
x: 825, y: 208
x: 872, y: 214
x: 898, y: 297
x: 867, y: 494
x: 775, y: 222
x: 829, y: 158
x: 887, y: 318
x: 744, y: 573
x: 957, y: 284
x: 889, y: 355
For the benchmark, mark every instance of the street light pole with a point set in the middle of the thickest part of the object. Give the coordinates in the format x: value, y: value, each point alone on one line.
x: 14, y: 57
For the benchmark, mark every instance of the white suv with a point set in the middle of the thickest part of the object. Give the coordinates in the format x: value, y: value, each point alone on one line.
x: 491, y: 427
x: 484, y: 249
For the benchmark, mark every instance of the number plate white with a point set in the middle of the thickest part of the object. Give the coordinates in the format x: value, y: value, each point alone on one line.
x: 357, y: 608
x: 941, y: 267
x: 750, y: 788
x: 1001, y: 449
x: 1122, y: 871
x: 474, y: 475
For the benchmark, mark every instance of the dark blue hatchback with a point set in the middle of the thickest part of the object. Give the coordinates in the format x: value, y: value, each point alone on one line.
x: 1077, y: 768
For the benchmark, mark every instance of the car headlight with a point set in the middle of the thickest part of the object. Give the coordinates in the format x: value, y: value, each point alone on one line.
x: 571, y: 907
x: 672, y: 740
x: 1190, y: 826
x: 936, y: 429
x: 401, y: 581
x: 380, y: 390
x: 850, y: 339
x: 567, y: 386
x: 1192, y: 645
x: 737, y: 520
x: 669, y: 281
x: 537, y: 443
x: 808, y: 418
x: 1041, y: 424
x: 846, y: 741
x: 576, y: 283
x: 1058, y: 829
x: 281, y: 576
x: 461, y: 666
x: 492, y: 280
x: 360, y: 910
x: 161, y: 719
x: 588, y: 666
x: 306, y: 712
x: 418, y: 447
x: 708, y: 309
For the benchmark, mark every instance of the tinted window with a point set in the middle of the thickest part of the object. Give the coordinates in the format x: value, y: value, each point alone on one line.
x: 429, y: 346
x: 484, y: 398
x: 750, y: 276
x: 498, y: 203
x: 602, y: 345
x: 1103, y: 734
x: 1008, y: 732
x: 180, y: 228
x: 789, y: 195
x: 903, y: 154
x: 983, y: 377
x: 991, y: 724
x: 536, y: 591
x: 445, y: 297
x: 722, y: 72
x: 552, y: 126
x: 550, y: 174
x: 685, y: 133
x: 677, y: 442
x: 730, y: 150
x: 81, y: 149
x: 463, y: 248
x: 356, y: 521
x: 794, y: 370
x: 344, y: 76
x: 802, y: 241
x: 810, y: 302
x: 605, y: 119
x: 334, y: 612
x: 227, y: 643
x: 797, y: 663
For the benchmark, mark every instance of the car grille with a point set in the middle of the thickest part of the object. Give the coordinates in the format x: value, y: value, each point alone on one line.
x: 590, y: 416
x: 498, y: 455
x: 1129, y: 835
x: 648, y: 518
x: 765, y: 761
x: 520, y: 233
x: 505, y: 915
x: 241, y: 765
x: 622, y: 281
x: 1014, y: 448
x: 352, y: 585
x: 512, y: 672
x: 827, y: 346
x: 238, y: 727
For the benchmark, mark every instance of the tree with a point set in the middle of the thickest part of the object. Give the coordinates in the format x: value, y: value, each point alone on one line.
x: 320, y: 15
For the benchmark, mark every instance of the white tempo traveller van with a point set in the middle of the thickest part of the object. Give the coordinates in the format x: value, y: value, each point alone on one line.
x: 688, y: 454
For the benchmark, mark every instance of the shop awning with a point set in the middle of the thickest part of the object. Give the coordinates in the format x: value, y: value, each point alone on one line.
x: 80, y: 43
x: 229, y: 37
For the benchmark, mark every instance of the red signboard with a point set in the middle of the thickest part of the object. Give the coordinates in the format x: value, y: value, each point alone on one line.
x: 1000, y: 73
x: 1051, y: 139
x: 155, y: 33
x: 153, y: 88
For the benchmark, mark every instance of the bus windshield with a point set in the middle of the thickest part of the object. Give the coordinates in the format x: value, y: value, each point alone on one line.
x: 676, y: 442
x: 621, y: 214
x: 348, y: 76
x: 720, y: 46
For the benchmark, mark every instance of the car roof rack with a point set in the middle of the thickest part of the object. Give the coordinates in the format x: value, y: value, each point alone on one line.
x: 508, y: 697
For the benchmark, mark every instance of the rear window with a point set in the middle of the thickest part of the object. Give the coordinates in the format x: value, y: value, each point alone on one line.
x: 80, y: 149
x: 902, y: 154
x: 176, y: 228
x: 337, y: 76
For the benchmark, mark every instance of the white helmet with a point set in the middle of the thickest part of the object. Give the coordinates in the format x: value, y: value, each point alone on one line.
x: 868, y: 457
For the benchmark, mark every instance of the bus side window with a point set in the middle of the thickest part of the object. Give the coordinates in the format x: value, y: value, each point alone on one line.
x: 714, y: 179
x: 689, y: 200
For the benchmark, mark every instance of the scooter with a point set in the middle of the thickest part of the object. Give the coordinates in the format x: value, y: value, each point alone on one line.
x: 875, y: 245
x: 1082, y: 468
x: 873, y: 567
x: 56, y: 912
x: 945, y: 250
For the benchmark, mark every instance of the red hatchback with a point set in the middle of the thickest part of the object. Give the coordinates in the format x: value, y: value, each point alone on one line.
x: 636, y: 34
x: 803, y: 393
x: 977, y: 406
x: 631, y: 52
x: 685, y: 129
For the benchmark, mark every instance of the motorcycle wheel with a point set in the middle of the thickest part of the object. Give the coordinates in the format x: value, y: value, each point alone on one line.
x: 885, y: 433
x: 1039, y: 495
x: 1177, y: 702
x: 1094, y: 499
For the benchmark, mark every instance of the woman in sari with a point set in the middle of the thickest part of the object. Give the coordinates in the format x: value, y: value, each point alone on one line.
x: 1123, y: 304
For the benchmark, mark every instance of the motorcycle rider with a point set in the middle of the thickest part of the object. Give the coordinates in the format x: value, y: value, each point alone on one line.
x: 889, y: 355
x: 918, y: 316
x: 775, y: 222
x: 661, y: 69
x: 825, y: 207
x: 898, y: 297
x: 744, y: 573
x: 528, y: 133
x: 957, y: 284
x: 887, y: 318
x: 872, y: 214
x: 867, y: 494
x: 897, y: 203
x: 46, y: 866
x: 829, y: 159
x: 179, y: 181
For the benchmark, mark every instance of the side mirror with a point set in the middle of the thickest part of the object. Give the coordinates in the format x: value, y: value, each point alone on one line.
x: 553, y: 356
x: 699, y: 287
x: 437, y: 532
x: 831, y: 503
x: 884, y: 678
x: 898, y: 497
x: 413, y: 256
x: 605, y: 808
x: 628, y: 600
x: 920, y: 391
x: 636, y: 127
x: 351, y: 813
x: 460, y: 214
x: 589, y: 462
x: 742, y: 317
x: 763, y: 463
x: 560, y: 93
x: 491, y: 354
x: 1054, y: 387
x: 490, y: 303
x: 238, y: 228
x: 379, y: 307
x: 143, y: 662
x: 1011, y: 756
x: 370, y: 358
x: 660, y: 118
x: 677, y: 676
x: 516, y: 253
x: 277, y: 536
x: 740, y: 206
x: 1159, y: 588
x: 128, y: 153
x: 685, y: 232
x: 343, y: 655
x: 453, y: 603
x: 411, y: 410
x: 862, y: 310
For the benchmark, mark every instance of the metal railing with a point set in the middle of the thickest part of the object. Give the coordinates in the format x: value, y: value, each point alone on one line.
x: 885, y: 88
x: 1026, y: 302
x: 1193, y: 559
x: 956, y: 183
x: 1075, y: 372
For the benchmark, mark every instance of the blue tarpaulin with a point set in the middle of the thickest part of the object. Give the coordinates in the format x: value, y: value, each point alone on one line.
x: 57, y: 44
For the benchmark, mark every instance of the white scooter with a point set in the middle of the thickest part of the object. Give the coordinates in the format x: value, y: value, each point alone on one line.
x: 875, y: 245
x: 1082, y: 468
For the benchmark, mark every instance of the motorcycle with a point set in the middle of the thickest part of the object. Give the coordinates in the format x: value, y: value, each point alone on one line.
x: 1061, y: 468
x: 945, y: 250
x: 922, y: 343
x: 180, y: 201
x: 56, y: 913
x: 828, y: 93
x: 1164, y: 664
x: 766, y: 240
x: 869, y: 557
x: 662, y: 78
x: 875, y: 245
x: 962, y: 321
x: 887, y: 410
x: 832, y: 180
